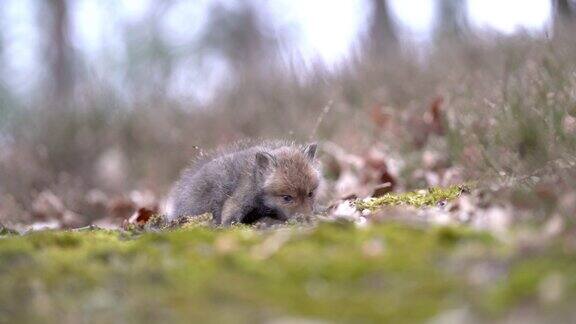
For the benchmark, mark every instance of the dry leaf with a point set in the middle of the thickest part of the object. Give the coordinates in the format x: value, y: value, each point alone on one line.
x: 141, y: 216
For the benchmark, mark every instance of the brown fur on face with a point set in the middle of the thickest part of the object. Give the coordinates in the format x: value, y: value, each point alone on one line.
x: 292, y: 183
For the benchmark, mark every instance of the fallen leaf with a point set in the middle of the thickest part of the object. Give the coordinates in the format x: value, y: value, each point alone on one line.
x: 141, y: 216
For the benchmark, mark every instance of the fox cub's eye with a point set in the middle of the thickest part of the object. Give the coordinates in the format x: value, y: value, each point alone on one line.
x: 287, y: 198
x: 310, y: 194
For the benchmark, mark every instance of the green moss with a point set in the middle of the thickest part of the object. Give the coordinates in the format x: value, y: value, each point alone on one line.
x: 419, y: 198
x: 526, y: 283
x: 384, y: 273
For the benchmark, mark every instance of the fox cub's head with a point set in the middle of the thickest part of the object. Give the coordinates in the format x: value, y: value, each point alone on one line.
x: 290, y: 179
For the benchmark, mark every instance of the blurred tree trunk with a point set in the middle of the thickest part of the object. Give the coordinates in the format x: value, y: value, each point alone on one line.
x: 149, y: 56
x: 58, y: 53
x: 241, y: 35
x: 2, y: 49
x: 382, y: 38
x: 451, y: 20
x: 3, y: 90
x: 563, y: 14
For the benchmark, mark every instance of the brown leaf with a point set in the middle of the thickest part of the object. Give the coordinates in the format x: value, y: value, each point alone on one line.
x: 47, y: 206
x: 141, y: 216
x: 380, y: 118
x: 382, y: 189
x: 377, y: 171
x: 71, y: 220
x: 433, y: 122
x: 121, y: 207
x: 436, y: 120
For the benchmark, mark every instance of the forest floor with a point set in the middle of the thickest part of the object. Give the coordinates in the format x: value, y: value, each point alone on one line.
x: 402, y: 261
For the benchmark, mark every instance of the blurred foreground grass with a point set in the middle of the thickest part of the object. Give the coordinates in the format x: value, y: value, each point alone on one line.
x: 387, y: 272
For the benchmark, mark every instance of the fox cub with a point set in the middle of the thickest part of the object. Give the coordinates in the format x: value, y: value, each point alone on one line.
x: 245, y: 184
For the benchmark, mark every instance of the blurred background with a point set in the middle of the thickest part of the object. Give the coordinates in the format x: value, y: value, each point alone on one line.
x: 102, y: 103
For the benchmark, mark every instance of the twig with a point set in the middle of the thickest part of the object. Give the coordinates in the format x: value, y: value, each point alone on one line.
x: 323, y: 114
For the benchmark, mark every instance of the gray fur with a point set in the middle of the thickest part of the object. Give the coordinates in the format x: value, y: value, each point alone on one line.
x: 229, y: 182
x: 310, y: 151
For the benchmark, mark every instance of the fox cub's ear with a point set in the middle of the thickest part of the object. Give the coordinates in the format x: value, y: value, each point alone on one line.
x: 310, y: 151
x: 265, y: 160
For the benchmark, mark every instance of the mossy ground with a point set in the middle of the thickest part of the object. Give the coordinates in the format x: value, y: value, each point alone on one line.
x: 387, y: 272
x: 420, y: 198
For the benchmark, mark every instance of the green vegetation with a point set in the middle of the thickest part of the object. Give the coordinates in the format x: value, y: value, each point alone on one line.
x: 419, y: 198
x: 386, y: 272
